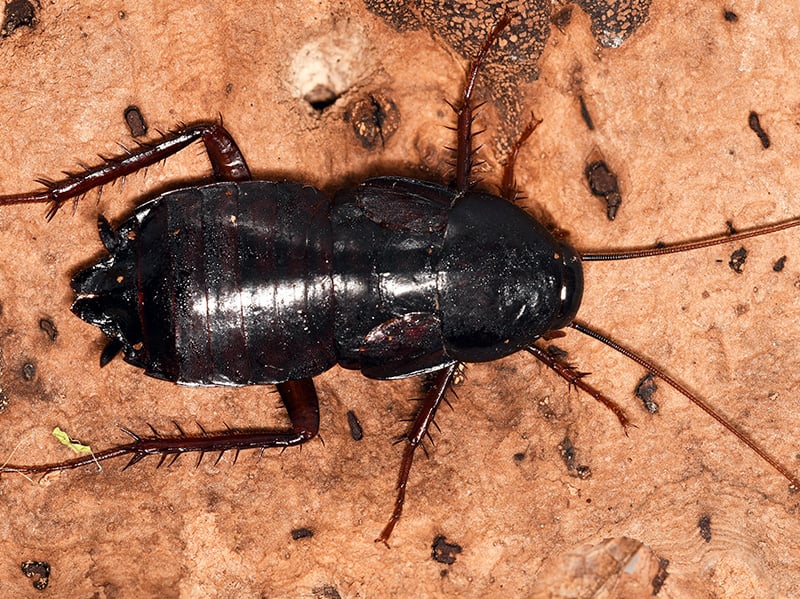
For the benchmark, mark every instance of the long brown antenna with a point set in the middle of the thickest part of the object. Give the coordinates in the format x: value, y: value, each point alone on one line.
x: 795, y: 482
x: 689, y: 245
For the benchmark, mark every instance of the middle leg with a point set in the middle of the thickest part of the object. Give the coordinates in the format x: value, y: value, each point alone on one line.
x: 414, y: 437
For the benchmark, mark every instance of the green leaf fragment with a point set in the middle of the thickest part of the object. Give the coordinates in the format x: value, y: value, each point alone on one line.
x: 65, y: 439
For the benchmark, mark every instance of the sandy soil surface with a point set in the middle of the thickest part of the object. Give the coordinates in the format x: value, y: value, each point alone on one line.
x: 679, y: 507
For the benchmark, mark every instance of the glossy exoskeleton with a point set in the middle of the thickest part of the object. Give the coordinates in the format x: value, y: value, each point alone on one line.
x: 244, y: 282
x: 255, y: 282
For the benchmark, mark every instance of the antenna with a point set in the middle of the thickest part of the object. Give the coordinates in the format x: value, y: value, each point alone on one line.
x: 688, y: 245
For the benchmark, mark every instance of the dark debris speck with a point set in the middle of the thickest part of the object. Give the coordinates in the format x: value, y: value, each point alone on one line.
x: 326, y: 591
x: 356, y: 430
x: 738, y: 258
x: 444, y: 552
x: 374, y: 119
x: 661, y: 575
x: 135, y: 121
x: 302, y: 533
x: 18, y: 13
x: 779, y: 264
x: 603, y: 183
x: 38, y: 572
x: 49, y: 328
x: 704, y: 524
x: 645, y: 390
x: 28, y: 371
x: 567, y: 450
x: 587, y: 118
x: 754, y: 122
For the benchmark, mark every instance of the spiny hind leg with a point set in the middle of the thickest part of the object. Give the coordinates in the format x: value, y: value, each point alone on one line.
x: 299, y: 397
x: 227, y: 163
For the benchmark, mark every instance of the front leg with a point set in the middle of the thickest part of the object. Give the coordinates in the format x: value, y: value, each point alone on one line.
x: 226, y: 160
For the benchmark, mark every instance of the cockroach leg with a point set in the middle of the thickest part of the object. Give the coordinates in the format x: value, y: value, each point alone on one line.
x: 575, y: 378
x: 655, y: 371
x: 299, y: 397
x: 227, y: 163
x: 508, y: 187
x: 419, y: 428
x: 465, y: 111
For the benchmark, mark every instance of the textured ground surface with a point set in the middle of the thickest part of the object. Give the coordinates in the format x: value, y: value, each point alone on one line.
x: 670, y: 107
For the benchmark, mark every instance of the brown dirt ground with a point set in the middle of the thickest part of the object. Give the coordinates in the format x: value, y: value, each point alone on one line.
x: 670, y: 107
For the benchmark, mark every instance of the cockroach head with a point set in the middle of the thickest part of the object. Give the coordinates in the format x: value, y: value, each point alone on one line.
x: 106, y: 293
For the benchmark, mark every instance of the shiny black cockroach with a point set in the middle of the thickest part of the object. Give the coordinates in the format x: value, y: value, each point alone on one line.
x: 244, y: 282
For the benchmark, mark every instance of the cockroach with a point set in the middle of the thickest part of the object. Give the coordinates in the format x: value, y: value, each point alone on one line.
x: 244, y: 282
